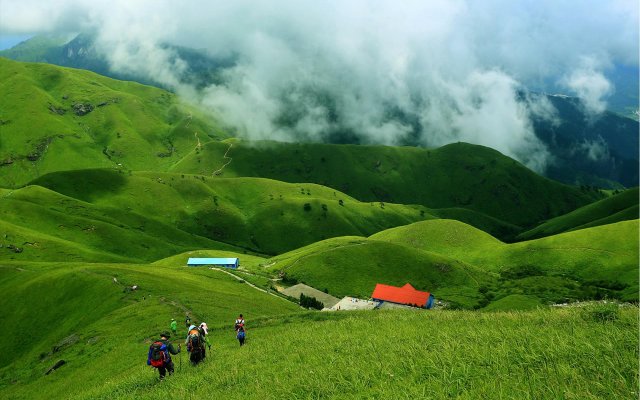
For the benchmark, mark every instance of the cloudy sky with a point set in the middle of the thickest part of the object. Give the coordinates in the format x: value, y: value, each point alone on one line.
x: 382, y: 71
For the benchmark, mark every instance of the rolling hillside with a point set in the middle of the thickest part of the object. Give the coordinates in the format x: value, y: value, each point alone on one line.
x: 41, y: 225
x: 59, y: 119
x: 55, y: 119
x: 619, y: 207
x: 90, y: 318
x: 468, y: 268
x: 454, y: 176
x: 602, y: 261
x: 569, y: 136
x: 103, y: 331
x: 353, y: 265
x: 256, y: 214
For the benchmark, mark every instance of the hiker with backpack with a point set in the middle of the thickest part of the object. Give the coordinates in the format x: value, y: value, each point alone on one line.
x: 241, y: 331
x: 160, y: 355
x: 195, y: 345
x: 204, y: 329
x: 241, y: 334
x: 239, y: 322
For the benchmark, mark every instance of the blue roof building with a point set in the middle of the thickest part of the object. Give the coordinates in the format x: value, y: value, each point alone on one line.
x: 214, y: 262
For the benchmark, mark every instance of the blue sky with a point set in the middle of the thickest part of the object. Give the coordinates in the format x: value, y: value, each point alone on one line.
x: 8, y: 41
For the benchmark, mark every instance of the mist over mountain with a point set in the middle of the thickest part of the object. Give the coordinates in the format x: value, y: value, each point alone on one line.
x: 410, y: 73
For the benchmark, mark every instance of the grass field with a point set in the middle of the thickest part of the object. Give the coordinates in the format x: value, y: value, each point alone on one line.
x: 56, y: 118
x: 97, y: 325
x: 578, y: 353
x: 255, y: 214
x: 619, y: 207
x: 458, y: 175
x: 106, y: 185
x: 608, y: 252
x: 471, y: 269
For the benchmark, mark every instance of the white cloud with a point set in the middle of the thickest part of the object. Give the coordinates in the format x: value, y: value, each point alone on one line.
x: 595, y: 150
x: 590, y: 85
x: 444, y: 70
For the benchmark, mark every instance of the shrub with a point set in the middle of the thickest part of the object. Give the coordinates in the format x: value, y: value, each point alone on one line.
x: 307, y: 207
x: 310, y: 302
x: 602, y: 312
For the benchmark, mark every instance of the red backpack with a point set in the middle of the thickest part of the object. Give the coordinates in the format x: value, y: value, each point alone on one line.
x: 158, y: 354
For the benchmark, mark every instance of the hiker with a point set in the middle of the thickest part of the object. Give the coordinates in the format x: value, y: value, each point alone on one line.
x: 241, y: 334
x: 174, y: 326
x: 195, y: 345
x: 205, y: 334
x: 187, y: 321
x: 160, y: 355
x: 239, y: 322
x: 241, y: 330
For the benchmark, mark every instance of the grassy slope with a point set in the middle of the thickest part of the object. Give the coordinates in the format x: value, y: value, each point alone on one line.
x: 540, y: 354
x: 456, y: 175
x: 35, y: 48
x: 134, y: 125
x: 258, y: 214
x: 353, y: 266
x: 48, y: 226
x: 465, y: 266
x: 113, y: 325
x: 584, y: 251
x: 607, y: 253
x: 620, y: 207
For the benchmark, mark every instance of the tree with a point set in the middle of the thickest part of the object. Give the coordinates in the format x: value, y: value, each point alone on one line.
x: 310, y: 302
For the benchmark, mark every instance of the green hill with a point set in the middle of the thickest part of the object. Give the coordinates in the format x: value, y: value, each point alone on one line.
x: 619, y: 207
x: 60, y: 119
x: 468, y: 268
x: 353, y: 265
x: 257, y: 214
x: 592, y: 262
x: 42, y: 225
x: 454, y: 176
x: 88, y: 316
x: 102, y: 331
x: 55, y: 118
x: 566, y: 136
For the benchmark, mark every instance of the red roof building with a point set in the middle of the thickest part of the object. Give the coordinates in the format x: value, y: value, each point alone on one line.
x: 407, y: 295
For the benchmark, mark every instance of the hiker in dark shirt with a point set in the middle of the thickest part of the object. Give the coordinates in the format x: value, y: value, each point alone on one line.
x: 241, y: 335
x: 160, y: 355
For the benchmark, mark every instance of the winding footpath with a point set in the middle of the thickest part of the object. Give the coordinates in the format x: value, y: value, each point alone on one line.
x: 251, y: 284
x: 219, y: 170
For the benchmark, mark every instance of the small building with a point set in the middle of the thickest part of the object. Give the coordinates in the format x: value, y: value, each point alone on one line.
x: 406, y: 295
x: 214, y: 262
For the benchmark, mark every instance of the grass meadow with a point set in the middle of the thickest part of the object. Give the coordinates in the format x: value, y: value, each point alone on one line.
x: 543, y: 354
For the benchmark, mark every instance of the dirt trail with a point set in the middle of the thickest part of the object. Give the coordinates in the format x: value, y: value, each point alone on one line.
x: 250, y: 284
x: 219, y: 171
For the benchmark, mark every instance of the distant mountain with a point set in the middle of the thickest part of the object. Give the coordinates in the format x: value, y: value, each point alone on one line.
x: 55, y: 118
x: 600, y: 152
x: 80, y: 52
x: 61, y: 119
x: 458, y: 175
